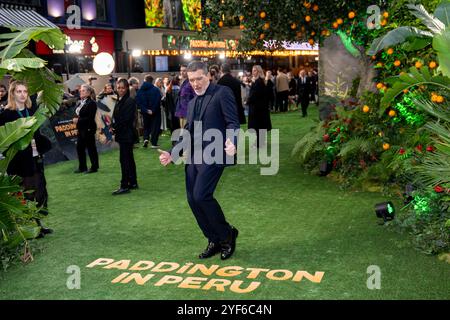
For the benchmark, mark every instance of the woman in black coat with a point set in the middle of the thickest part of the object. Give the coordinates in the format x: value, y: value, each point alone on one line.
x: 28, y: 163
x: 258, y: 112
x: 125, y: 135
x: 86, y: 110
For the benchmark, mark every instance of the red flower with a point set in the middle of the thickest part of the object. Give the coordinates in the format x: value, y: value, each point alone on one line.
x: 430, y: 149
x: 326, y: 137
x: 402, y: 151
x: 419, y: 148
x: 438, y: 189
x: 338, y: 129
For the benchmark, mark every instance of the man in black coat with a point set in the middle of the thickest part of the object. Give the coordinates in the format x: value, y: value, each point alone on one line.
x: 231, y: 82
x: 125, y: 135
x: 304, y: 89
x: 213, y: 109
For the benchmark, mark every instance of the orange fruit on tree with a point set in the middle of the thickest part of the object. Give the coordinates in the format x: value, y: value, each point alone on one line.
x: 253, y: 41
x: 307, y: 4
x: 386, y: 146
x: 242, y: 27
x: 262, y: 36
x: 315, y: 8
x: 432, y: 64
x: 380, y: 86
x: 262, y: 14
x: 207, y: 21
x: 405, y: 91
x: 397, y: 63
x: 383, y: 22
x: 366, y: 109
x: 418, y: 64
x: 293, y: 26
x: 439, y: 99
x: 433, y: 97
x: 313, y: 33
x: 392, y: 113
x: 340, y: 21
x: 241, y: 18
x: 266, y: 26
x: 379, y: 64
x: 335, y: 25
x: 351, y: 15
x: 386, y: 14
x: 307, y: 18
x: 220, y: 24
x: 374, y: 57
x: 311, y: 41
x: 390, y: 51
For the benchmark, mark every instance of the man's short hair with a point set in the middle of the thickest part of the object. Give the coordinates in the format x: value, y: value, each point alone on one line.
x: 183, y: 65
x: 148, y: 78
x: 226, y: 68
x: 3, y: 86
x: 197, y: 65
x: 133, y: 81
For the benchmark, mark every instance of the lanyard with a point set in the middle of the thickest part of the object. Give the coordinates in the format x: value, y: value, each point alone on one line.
x: 21, y: 114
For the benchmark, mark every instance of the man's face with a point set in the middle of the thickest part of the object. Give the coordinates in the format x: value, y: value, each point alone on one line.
x: 199, y: 81
x: 2, y: 92
x: 183, y: 73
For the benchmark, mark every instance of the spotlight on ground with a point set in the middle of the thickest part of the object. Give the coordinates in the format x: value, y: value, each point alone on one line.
x: 385, y: 210
x: 325, y: 168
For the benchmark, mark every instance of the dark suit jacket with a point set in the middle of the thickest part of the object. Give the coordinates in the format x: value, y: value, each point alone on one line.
x: 234, y: 84
x: 258, y: 106
x: 218, y: 111
x: 304, y: 89
x: 123, y: 120
x: 86, y: 119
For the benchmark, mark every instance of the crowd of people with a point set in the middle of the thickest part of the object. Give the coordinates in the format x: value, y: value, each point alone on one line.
x: 128, y: 110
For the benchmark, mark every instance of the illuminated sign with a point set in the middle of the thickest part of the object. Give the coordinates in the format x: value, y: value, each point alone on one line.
x: 288, y: 45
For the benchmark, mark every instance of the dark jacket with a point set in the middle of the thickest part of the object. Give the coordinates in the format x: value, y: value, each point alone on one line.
x: 258, y: 106
x: 23, y: 164
x: 231, y: 82
x: 86, y: 118
x: 148, y: 97
x: 304, y: 89
x: 123, y: 120
x: 218, y: 111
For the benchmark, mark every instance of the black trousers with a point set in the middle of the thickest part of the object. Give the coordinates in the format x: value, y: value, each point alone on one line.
x: 201, y: 182
x: 283, y: 100
x: 87, y: 141
x: 127, y: 165
x: 152, y: 127
x: 305, y: 104
x: 37, y: 186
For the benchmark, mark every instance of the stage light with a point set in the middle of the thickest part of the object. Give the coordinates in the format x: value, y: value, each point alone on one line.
x: 187, y: 56
x: 103, y: 64
x: 222, y: 55
x: 325, y: 168
x: 385, y: 210
x: 136, y: 53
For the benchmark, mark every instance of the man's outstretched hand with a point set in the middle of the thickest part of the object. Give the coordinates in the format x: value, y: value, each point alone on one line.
x: 230, y: 148
x: 165, y: 158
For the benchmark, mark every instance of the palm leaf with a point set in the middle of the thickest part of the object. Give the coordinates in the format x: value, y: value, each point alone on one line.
x: 396, y: 36
x: 20, y: 64
x: 442, y: 12
x: 355, y: 145
x: 14, y: 131
x: 441, y: 43
x: 415, y: 77
x: 17, y: 41
x: 435, y: 25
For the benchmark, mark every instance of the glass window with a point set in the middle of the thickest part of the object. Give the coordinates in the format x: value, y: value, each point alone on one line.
x: 101, y: 10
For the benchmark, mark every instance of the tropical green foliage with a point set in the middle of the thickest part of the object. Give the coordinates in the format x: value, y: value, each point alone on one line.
x: 17, y: 216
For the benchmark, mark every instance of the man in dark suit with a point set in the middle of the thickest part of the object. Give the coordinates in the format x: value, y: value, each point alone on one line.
x: 231, y: 82
x: 304, y: 89
x: 214, y: 107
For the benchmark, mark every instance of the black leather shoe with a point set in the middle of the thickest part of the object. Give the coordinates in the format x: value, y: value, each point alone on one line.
x: 43, y: 232
x: 92, y: 171
x: 211, y: 250
x: 121, y: 191
x: 133, y: 186
x: 228, y: 247
x: 80, y: 171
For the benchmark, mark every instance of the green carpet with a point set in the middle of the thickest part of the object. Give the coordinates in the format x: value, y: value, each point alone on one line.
x: 291, y: 221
